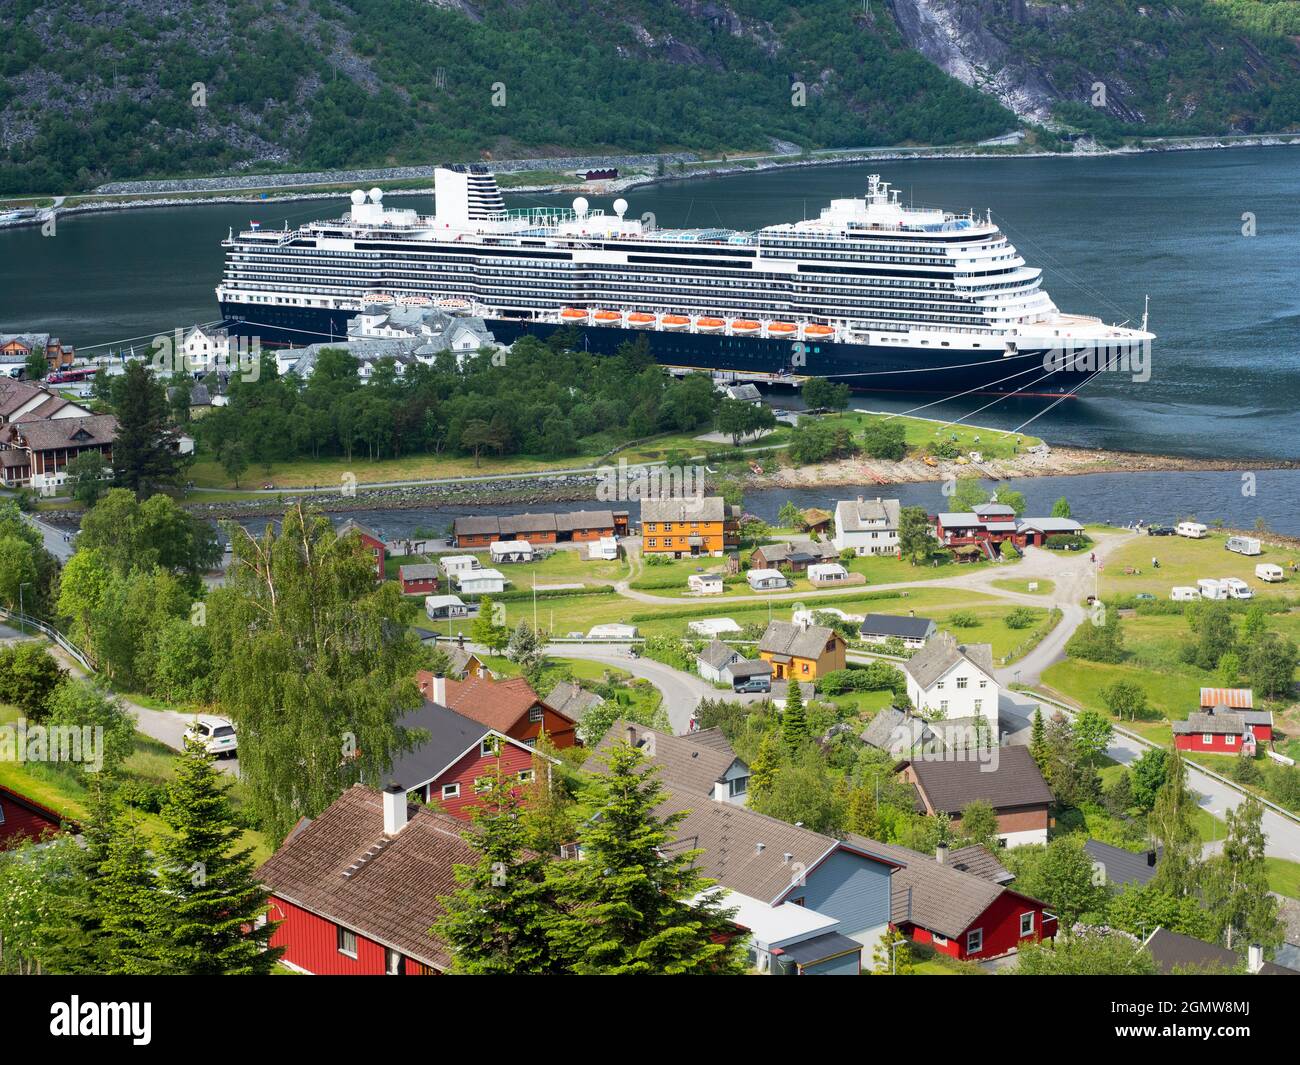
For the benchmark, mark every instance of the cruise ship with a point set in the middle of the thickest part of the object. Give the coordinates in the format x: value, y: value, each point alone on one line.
x: 874, y: 293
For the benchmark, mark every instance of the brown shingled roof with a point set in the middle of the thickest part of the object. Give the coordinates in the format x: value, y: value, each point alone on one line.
x: 43, y: 434
x: 951, y: 782
x: 499, y: 704
x: 391, y: 894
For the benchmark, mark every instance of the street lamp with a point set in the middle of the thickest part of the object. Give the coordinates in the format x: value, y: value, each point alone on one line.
x: 22, y: 614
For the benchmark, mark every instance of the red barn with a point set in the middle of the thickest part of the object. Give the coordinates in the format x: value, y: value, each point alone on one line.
x: 509, y: 706
x: 22, y: 819
x: 372, y: 540
x: 458, y: 758
x: 355, y: 891
x: 959, y: 903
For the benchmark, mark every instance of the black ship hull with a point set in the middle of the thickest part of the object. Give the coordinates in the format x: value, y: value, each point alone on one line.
x: 865, y: 367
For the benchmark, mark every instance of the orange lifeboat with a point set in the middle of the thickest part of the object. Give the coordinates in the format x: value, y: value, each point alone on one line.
x: 782, y: 329
x: 744, y: 325
x: 640, y: 319
x: 574, y: 314
x: 709, y: 325
x: 675, y: 321
x: 607, y: 317
x: 819, y: 331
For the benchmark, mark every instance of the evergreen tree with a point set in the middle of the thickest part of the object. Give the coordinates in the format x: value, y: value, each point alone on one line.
x: 623, y: 905
x: 764, y: 768
x: 129, y: 901
x: 496, y: 922
x: 794, y: 721
x: 145, y: 455
x: 1038, y: 741
x: 208, y: 902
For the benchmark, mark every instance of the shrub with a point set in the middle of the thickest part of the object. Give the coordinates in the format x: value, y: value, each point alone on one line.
x: 1020, y: 618
x: 963, y: 619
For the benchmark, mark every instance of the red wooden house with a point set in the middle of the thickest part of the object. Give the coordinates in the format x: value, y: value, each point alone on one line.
x: 509, y: 706
x: 959, y: 903
x: 992, y: 524
x: 354, y: 892
x: 1219, y: 731
x: 1239, y: 701
x: 458, y: 759
x: 372, y: 540
x: 420, y: 578
x: 22, y: 819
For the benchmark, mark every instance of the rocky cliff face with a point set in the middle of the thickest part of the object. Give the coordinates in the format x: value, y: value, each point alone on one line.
x: 967, y: 40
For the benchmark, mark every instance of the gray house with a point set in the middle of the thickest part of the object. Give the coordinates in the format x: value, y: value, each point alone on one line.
x: 716, y: 657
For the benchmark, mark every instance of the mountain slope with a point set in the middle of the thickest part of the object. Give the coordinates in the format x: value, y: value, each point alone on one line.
x: 92, y: 90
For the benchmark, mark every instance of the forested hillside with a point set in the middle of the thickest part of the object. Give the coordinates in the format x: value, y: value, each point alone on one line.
x: 92, y: 90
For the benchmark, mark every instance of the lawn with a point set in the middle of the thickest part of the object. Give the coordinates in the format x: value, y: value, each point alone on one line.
x: 923, y: 433
x: 671, y: 576
x: 563, y: 614
x: 1184, y: 561
x: 1284, y: 876
x: 1172, y: 695
x: 1042, y: 586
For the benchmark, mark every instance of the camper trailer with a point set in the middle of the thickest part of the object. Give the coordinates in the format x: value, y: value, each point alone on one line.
x: 1192, y: 529
x: 1270, y: 572
x: 1243, y: 545
x: 1211, y: 589
x: 1184, y: 594
x: 1237, y: 588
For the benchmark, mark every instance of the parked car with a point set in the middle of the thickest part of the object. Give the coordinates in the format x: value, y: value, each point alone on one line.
x: 1160, y: 530
x: 217, y: 734
x: 1144, y: 597
x: 753, y: 684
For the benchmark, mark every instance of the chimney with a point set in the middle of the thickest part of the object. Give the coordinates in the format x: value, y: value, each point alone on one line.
x: 631, y: 735
x: 719, y: 791
x: 941, y: 854
x: 1151, y: 859
x: 759, y: 848
x: 1254, y: 958
x: 438, y: 690
x: 394, y: 809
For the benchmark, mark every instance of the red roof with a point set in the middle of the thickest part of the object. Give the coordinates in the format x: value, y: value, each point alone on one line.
x: 499, y: 704
x: 1232, y: 698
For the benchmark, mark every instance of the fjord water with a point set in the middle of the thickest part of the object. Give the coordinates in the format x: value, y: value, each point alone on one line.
x: 1106, y: 231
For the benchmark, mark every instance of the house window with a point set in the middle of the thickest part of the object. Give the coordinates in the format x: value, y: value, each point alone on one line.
x: 943, y: 706
x: 526, y: 776
x: 939, y: 685
x: 487, y: 746
x: 939, y: 941
x: 1207, y: 739
x: 804, y: 667
x: 481, y: 784
x: 738, y: 786
x: 961, y: 682
x: 451, y: 791
x: 653, y: 542
x: 978, y: 704
x: 347, y: 942
x: 1027, y: 923
x: 974, y: 941
x: 534, y: 713
x: 984, y: 682
x: 1230, y: 740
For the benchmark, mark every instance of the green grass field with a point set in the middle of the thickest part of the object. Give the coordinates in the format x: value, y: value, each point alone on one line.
x: 1184, y: 561
x: 924, y: 433
x: 1043, y: 586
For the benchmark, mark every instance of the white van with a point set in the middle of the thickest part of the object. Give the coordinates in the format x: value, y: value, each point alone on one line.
x: 1269, y: 571
x: 1211, y: 589
x: 1243, y: 545
x: 1184, y: 594
x: 1193, y: 529
x: 1237, y: 588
